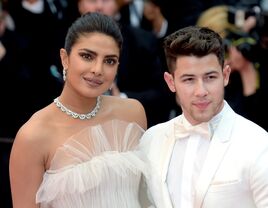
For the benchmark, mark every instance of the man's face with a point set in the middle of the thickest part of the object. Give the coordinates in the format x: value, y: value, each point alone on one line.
x: 108, y: 7
x: 199, y: 86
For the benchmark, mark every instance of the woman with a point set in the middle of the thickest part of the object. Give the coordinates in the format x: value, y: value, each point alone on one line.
x: 65, y: 157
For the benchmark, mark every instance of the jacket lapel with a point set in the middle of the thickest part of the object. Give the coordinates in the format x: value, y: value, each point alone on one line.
x: 218, y: 147
x: 165, y: 155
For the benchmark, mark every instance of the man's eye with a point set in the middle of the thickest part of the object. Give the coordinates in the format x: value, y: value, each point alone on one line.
x: 211, y: 77
x: 188, y: 79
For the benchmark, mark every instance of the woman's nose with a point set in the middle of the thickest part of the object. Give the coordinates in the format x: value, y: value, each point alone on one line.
x: 97, y: 68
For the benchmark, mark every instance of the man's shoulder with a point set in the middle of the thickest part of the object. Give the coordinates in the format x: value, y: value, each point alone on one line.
x: 249, y: 127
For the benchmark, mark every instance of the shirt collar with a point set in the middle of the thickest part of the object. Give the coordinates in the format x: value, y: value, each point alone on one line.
x: 183, y: 127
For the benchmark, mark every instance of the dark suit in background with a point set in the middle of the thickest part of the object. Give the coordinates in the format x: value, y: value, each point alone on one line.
x: 140, y: 73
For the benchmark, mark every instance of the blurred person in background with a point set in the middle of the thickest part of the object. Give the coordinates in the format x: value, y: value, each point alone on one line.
x: 251, y: 41
x: 9, y: 100
x: 161, y: 27
x: 243, y: 90
x: 131, y: 12
x: 9, y: 67
x: 39, y: 27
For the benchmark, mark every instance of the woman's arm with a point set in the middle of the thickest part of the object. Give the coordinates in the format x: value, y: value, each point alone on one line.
x: 26, y: 168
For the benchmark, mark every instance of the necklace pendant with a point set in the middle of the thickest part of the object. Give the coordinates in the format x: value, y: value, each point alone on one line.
x: 82, y: 117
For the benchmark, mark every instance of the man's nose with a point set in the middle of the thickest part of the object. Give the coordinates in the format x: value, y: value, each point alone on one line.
x: 201, y: 88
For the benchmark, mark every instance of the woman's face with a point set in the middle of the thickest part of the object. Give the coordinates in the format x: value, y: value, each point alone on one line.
x: 235, y: 59
x: 92, y: 64
x: 149, y: 10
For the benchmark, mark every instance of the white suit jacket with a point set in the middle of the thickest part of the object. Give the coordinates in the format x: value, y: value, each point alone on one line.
x: 235, y: 173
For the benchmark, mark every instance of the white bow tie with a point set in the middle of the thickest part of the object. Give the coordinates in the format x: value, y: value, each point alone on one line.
x: 184, y: 131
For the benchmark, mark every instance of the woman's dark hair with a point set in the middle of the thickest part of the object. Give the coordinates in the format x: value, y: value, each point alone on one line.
x: 93, y: 22
x: 193, y: 41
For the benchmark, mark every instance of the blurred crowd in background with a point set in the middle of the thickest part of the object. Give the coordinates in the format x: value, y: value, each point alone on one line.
x: 33, y: 31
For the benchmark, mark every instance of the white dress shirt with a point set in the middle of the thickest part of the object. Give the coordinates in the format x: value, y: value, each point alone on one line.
x: 187, y: 160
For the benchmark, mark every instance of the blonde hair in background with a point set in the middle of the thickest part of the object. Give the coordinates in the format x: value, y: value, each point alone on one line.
x: 216, y: 18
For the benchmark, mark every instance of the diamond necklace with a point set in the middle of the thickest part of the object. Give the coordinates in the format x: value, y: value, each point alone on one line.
x: 78, y: 115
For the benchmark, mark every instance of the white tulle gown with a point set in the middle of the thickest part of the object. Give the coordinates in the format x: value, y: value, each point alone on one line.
x: 98, y: 167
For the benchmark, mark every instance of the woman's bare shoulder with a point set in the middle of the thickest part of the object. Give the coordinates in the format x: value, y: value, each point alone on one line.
x: 36, y: 129
x: 32, y: 144
x: 128, y: 109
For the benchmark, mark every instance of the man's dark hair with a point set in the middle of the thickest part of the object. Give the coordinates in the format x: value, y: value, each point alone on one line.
x: 193, y: 41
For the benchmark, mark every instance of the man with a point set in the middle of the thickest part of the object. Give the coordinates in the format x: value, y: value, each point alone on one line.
x: 209, y: 156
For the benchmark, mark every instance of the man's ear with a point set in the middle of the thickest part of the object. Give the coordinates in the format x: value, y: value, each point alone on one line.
x: 226, y: 74
x: 170, y: 81
x: 64, y: 58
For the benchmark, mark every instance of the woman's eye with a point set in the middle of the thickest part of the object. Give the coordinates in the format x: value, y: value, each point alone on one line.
x: 111, y: 61
x: 86, y: 56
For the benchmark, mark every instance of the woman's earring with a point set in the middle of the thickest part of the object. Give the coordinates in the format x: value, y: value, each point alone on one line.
x: 64, y: 74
